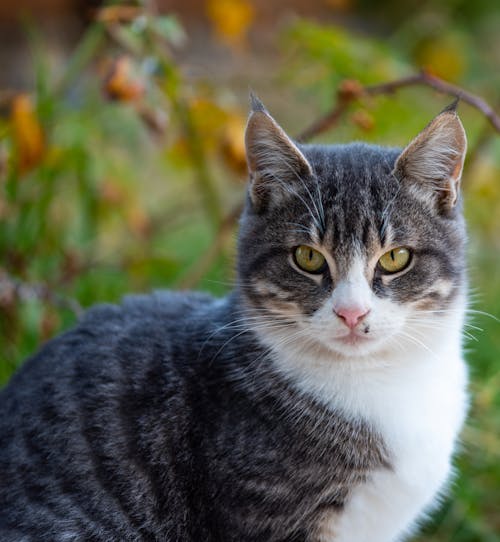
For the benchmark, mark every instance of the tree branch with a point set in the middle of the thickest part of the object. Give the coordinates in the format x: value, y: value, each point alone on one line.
x: 350, y: 91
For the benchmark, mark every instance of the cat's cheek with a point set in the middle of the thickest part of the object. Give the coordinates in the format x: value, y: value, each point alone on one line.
x: 380, y: 289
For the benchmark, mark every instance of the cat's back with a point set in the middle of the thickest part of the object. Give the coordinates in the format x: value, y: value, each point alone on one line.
x: 73, y: 419
x: 108, y: 331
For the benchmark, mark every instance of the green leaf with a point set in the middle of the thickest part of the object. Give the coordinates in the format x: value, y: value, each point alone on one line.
x: 168, y: 28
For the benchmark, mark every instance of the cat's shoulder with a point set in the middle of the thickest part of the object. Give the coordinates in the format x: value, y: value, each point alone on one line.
x: 159, y: 305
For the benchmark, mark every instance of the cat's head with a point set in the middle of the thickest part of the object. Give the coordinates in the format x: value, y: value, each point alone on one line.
x: 352, y: 249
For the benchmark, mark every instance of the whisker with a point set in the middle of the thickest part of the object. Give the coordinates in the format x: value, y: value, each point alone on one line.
x: 418, y: 342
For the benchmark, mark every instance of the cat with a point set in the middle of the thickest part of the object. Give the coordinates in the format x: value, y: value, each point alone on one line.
x: 320, y: 401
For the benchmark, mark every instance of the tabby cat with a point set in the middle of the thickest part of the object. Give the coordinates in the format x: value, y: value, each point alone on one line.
x: 320, y: 401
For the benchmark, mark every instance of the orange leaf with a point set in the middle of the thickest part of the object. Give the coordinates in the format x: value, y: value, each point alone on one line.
x: 112, y: 193
x: 364, y: 120
x: 138, y: 221
x: 28, y: 134
x: 119, y: 83
x: 349, y: 89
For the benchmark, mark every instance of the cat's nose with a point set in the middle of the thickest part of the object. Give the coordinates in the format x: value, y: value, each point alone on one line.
x: 352, y: 315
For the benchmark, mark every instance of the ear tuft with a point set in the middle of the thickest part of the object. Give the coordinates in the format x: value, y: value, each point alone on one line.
x: 433, y: 161
x: 451, y: 108
x: 255, y: 103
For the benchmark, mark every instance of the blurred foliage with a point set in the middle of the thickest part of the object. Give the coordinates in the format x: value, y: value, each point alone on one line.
x: 73, y: 215
x: 231, y: 20
x: 120, y: 173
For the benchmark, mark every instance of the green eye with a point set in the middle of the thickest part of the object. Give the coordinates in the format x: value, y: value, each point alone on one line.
x: 309, y: 259
x: 395, y: 260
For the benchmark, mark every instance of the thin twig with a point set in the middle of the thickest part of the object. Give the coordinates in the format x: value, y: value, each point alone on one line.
x: 442, y: 86
x: 205, y: 262
x: 350, y: 91
x: 476, y: 150
x: 12, y: 288
x: 113, y: 14
x: 324, y: 123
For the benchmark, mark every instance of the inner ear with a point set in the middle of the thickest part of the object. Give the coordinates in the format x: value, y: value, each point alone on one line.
x: 433, y: 161
x: 275, y: 162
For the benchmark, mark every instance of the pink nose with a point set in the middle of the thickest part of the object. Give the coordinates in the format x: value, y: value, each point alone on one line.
x: 352, y: 316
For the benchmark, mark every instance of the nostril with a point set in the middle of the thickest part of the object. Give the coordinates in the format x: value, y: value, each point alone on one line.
x: 351, y: 316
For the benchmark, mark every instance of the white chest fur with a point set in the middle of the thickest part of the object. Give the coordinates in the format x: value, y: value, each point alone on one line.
x: 416, y: 400
x: 418, y: 416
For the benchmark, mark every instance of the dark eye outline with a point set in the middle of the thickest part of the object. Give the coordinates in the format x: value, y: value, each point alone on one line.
x: 318, y: 271
x: 407, y: 264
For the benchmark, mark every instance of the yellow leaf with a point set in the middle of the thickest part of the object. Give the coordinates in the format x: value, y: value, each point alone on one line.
x: 28, y: 134
x: 231, y: 20
x: 443, y: 57
x: 233, y: 144
x: 209, y: 119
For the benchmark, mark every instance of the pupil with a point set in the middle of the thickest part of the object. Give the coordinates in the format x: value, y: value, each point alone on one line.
x: 392, y: 255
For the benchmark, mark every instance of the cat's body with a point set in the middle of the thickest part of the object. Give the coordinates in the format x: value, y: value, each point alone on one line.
x: 319, y: 405
x: 169, y: 445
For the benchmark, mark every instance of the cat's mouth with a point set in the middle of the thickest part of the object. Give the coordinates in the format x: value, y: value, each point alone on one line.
x: 355, y: 337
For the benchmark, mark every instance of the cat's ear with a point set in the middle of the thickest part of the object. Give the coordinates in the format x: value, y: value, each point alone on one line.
x: 434, y: 160
x: 275, y: 162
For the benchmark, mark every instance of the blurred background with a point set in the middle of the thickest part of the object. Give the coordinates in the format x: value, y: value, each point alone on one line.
x: 122, y: 165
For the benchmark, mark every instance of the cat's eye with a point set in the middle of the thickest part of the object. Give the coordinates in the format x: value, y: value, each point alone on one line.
x: 395, y: 260
x: 309, y: 259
